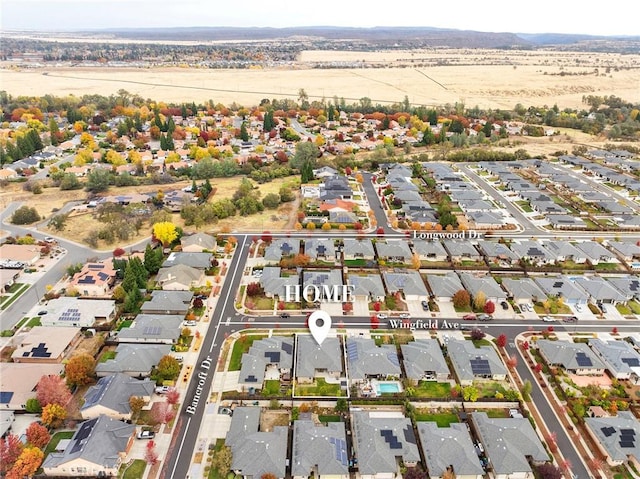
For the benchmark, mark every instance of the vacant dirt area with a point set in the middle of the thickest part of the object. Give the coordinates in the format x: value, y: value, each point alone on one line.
x: 486, y: 78
x: 270, y: 419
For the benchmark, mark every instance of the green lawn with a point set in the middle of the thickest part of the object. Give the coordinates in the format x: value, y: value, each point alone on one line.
x: 106, y: 356
x: 271, y: 388
x: 608, y: 266
x: 634, y: 306
x: 325, y: 419
x: 16, y: 294
x: 442, y: 419
x: 355, y: 262
x: 125, y: 324
x: 55, y: 439
x: 487, y: 390
x: 319, y: 388
x: 433, y: 389
x: 133, y: 471
x: 34, y: 322
x: 240, y: 347
x: 213, y: 472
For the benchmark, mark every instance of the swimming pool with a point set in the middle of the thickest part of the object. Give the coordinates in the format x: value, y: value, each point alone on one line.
x: 387, y: 387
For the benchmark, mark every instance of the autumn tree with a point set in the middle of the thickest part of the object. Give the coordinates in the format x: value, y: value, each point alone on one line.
x: 150, y: 454
x: 501, y: 342
x: 489, y: 307
x: 163, y: 412
x: 254, y: 289
x: 53, y: 415
x: 461, y: 299
x: 415, y: 261
x: 10, y: 449
x: 477, y: 334
x: 479, y: 300
x: 549, y: 471
x: 221, y: 461
x: 172, y: 397
x: 165, y: 232
x: 168, y: 368
x: 136, y: 403
x: 27, y: 463
x: 38, y: 435
x: 80, y: 369
x: 51, y: 389
x: 268, y: 475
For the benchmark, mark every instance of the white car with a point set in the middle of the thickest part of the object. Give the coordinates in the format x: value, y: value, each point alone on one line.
x: 162, y: 389
x: 382, y: 316
x: 190, y: 323
x: 548, y: 319
x: 405, y: 315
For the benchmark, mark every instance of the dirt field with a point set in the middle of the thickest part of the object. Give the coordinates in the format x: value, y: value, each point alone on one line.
x: 486, y: 78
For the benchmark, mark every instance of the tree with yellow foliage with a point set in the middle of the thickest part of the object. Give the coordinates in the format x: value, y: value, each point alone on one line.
x: 311, y: 225
x: 115, y: 158
x: 83, y: 157
x: 165, y: 232
x: 298, y: 226
x: 326, y: 226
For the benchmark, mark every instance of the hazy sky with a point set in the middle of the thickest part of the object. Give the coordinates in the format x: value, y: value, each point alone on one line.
x: 617, y: 17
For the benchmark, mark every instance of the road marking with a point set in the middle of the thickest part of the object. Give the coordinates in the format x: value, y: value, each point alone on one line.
x: 173, y: 471
x: 228, y: 320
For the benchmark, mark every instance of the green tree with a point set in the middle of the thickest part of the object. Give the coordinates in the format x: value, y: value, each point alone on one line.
x: 470, y: 393
x: 168, y: 368
x: 306, y: 172
x: 221, y: 461
x: 69, y: 181
x: 33, y: 406
x: 152, y: 259
x: 25, y: 215
x: 58, y: 222
x: 286, y: 194
x: 342, y: 405
x: 244, y: 134
x: 271, y: 200
x: 98, y: 180
x: 305, y: 151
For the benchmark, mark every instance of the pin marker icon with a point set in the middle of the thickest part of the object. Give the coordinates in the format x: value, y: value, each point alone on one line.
x: 319, y: 325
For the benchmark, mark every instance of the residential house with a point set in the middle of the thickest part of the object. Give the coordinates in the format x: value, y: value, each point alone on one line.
x: 255, y: 452
x: 460, y: 251
x: 18, y: 382
x: 325, y: 172
x: 409, y: 283
x: 565, y: 251
x: 358, y: 249
x: 336, y: 187
x: 366, y: 287
x: 44, y: 344
x: 471, y: 363
x: 70, y: 311
x: 575, y: 358
x: 497, y: 252
x: 198, y: 243
x: 337, y: 205
x: 315, y: 360
x: 444, y: 286
x: 7, y: 418
x: 596, y: 253
x: 342, y: 217
x: 136, y: 360
x: 28, y: 254
x: 562, y: 287
x: 152, y: 329
x: 319, y: 451
x: 382, y: 441
x: 566, y: 222
x: 532, y: 251
x: 8, y: 278
x: 194, y: 260
x: 97, y: 449
x: 367, y: 361
x: 449, y: 450
x: 394, y: 251
x: 523, y: 290
x: 511, y: 444
x: 629, y: 286
x: 423, y: 361
x: 179, y: 277
x: 268, y: 358
x: 478, y: 284
x: 110, y: 396
x: 621, y: 359
x: 600, y: 290
x: 320, y: 249
x: 486, y: 219
x: 431, y: 250
x: 168, y: 302
x: 274, y: 283
x: 628, y: 251
x: 321, y: 279
x: 94, y: 279
x: 281, y: 248
x: 617, y: 437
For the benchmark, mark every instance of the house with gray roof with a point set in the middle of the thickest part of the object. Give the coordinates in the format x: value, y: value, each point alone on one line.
x: 419, y: 213
x: 195, y: 260
x: 407, y: 195
x: 110, y: 396
x: 256, y: 452
x: 274, y: 283
x: 317, y: 360
x: 629, y: 286
x: 566, y: 222
x: 509, y: 443
x: 336, y: 187
x: 600, y: 290
x: 319, y: 451
x: 407, y: 282
x: 596, y: 253
x: 380, y: 439
x: 532, y: 251
x: 575, y: 358
x: 444, y: 286
x: 429, y: 250
x: 396, y: 250
x: 523, y: 290
x: 320, y: 278
x: 342, y: 217
x: 152, y: 329
x: 325, y: 172
x: 460, y: 250
x: 367, y: 287
x: 617, y: 437
x: 268, y: 358
x: 629, y: 221
x: 562, y: 287
x: 423, y: 361
x: 621, y: 359
x: 320, y: 249
x: 168, y: 302
x: 497, y: 252
x: 97, y: 449
x: 447, y: 448
x: 281, y: 248
x: 73, y: 312
x: 483, y: 283
x: 198, y: 243
x: 486, y: 219
x: 627, y: 250
x: 565, y: 251
x: 471, y: 363
x: 136, y: 360
x: 179, y: 277
x: 366, y: 360
x: 358, y: 249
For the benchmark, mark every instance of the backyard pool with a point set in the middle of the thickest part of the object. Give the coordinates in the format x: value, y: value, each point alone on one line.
x: 387, y: 387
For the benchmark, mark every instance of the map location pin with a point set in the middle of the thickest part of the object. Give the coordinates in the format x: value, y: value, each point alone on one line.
x: 319, y: 325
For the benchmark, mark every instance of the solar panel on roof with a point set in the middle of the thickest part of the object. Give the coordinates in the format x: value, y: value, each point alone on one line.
x: 103, y: 276
x: 287, y: 348
x: 480, y: 366
x: 352, y: 351
x: 608, y: 430
x: 393, y: 359
x: 86, y: 280
x: 631, y: 362
x: 409, y: 436
x: 273, y: 356
x: 558, y: 284
x: 95, y: 266
x: 583, y: 360
x: 5, y: 397
x: 151, y: 330
x: 40, y: 351
x: 251, y: 379
x: 627, y: 444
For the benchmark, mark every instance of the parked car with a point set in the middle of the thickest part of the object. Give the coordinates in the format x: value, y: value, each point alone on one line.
x: 49, y: 239
x: 42, y: 313
x: 285, y: 315
x: 190, y: 323
x: 548, y: 319
x: 570, y: 319
x: 405, y: 315
x: 485, y: 317
x: 162, y: 389
x: 178, y: 358
x: 382, y: 316
x: 504, y: 305
x: 146, y: 434
x: 425, y: 305
x: 469, y: 317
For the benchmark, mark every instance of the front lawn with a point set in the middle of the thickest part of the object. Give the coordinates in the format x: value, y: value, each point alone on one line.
x: 442, y: 419
x: 106, y: 356
x: 241, y: 346
x: 55, y: 439
x: 319, y: 388
x: 325, y: 419
x: 634, y: 306
x: 135, y: 470
x: 433, y: 389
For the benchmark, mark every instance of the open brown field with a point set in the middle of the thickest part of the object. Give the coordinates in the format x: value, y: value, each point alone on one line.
x: 486, y: 78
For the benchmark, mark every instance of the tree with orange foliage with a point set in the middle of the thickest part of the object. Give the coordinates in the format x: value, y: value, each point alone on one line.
x: 51, y: 389
x: 10, y: 449
x: 53, y: 415
x: 80, y: 369
x: 38, y: 435
x: 27, y: 463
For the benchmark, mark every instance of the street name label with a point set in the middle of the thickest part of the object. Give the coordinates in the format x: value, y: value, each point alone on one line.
x: 421, y: 324
x: 202, y: 377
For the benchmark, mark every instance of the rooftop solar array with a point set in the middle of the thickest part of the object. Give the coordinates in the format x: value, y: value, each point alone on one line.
x: 95, y: 266
x: 627, y: 438
x: 5, y: 397
x: 71, y: 314
x: 87, y: 280
x: 151, y: 330
x: 272, y: 356
x: 631, y: 362
x: 286, y: 248
x: 40, y: 351
x: 340, y: 447
x: 83, y: 433
x: 608, y: 430
x: 583, y: 360
x: 480, y: 367
x: 352, y: 351
x: 409, y: 436
x: 251, y: 379
x: 320, y: 279
x: 391, y: 439
x: 287, y: 348
x: 393, y: 359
